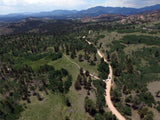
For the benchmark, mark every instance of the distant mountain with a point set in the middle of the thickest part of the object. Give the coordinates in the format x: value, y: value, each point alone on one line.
x: 34, y: 24
x: 99, y: 10
x: 107, y: 10
x: 57, y: 14
x: 54, y: 13
x: 143, y: 17
x: 104, y: 17
x: 72, y: 14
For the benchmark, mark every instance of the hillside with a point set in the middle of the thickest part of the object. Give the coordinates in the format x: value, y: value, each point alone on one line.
x: 94, y: 68
x: 73, y: 14
x: 46, y: 24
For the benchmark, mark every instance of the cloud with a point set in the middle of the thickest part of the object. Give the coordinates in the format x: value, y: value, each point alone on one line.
x: 152, y: 2
x: 9, y: 2
x: 4, y: 9
x: 130, y: 3
x: 40, y: 5
x: 64, y: 3
x: 12, y: 6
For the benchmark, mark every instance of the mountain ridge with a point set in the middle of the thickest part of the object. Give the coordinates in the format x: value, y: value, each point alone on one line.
x: 73, y: 14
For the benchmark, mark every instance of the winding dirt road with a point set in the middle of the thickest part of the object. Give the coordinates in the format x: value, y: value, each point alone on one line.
x: 108, y: 85
x: 92, y: 75
x: 108, y: 89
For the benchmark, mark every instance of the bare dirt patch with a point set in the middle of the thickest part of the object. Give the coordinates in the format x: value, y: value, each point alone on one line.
x: 153, y: 88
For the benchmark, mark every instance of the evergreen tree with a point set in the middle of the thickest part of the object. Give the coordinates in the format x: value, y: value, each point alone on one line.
x: 95, y: 58
x: 89, y: 106
x: 81, y: 71
x: 87, y: 73
x: 80, y: 57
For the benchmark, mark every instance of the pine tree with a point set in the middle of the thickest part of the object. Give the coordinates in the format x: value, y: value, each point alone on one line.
x: 87, y: 73
x: 81, y: 71
x: 80, y: 57
x: 95, y: 58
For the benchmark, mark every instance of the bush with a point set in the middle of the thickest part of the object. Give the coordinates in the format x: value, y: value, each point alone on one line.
x: 103, y: 68
x: 127, y: 110
x: 134, y: 39
x: 98, y: 116
x: 147, y: 98
x: 100, y: 86
x: 77, y: 85
x: 10, y: 110
x: 100, y: 37
x: 158, y: 107
x: 145, y: 114
x: 109, y: 116
x: 56, y: 56
x: 67, y: 102
x: 68, y: 84
x: 128, y: 99
x: 56, y: 84
x: 89, y: 106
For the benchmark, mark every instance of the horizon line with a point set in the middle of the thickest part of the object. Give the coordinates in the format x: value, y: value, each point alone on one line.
x: 23, y: 13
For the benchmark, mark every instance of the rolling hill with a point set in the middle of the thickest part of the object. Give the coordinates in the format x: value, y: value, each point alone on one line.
x: 72, y: 14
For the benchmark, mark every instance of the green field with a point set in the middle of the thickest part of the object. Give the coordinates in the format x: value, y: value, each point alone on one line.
x: 41, y: 79
x: 53, y: 106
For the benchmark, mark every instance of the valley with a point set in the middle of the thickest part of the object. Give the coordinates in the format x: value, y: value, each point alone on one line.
x: 104, y: 67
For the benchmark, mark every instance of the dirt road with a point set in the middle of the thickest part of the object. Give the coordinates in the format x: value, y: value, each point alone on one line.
x: 108, y: 89
x: 92, y: 75
x: 108, y: 86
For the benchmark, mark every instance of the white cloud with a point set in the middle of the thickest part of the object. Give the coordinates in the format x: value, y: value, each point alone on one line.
x: 48, y: 5
x: 40, y: 5
x: 152, y: 2
x: 131, y: 3
x: 5, y: 9
x: 119, y: 3
x: 9, y: 2
x: 64, y: 3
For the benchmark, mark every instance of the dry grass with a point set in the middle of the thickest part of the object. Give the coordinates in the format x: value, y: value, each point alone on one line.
x: 134, y: 47
x: 53, y: 106
x: 153, y: 88
x: 135, y: 115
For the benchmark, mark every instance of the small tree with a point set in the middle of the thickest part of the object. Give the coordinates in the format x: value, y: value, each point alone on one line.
x: 79, y: 78
x: 145, y: 114
x: 92, y: 63
x: 89, y: 83
x: 156, y: 54
x: 87, y: 73
x: 67, y: 102
x: 102, y: 60
x: 67, y: 84
x: 77, y: 85
x: 80, y: 57
x: 89, y: 106
x: 129, y: 66
x: 81, y: 71
x: 72, y: 55
x: 95, y: 58
x: 85, y: 81
x: 109, y: 116
x: 158, y: 94
x: 108, y: 57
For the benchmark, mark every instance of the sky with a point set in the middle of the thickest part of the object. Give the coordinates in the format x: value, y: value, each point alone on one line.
x: 28, y: 6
